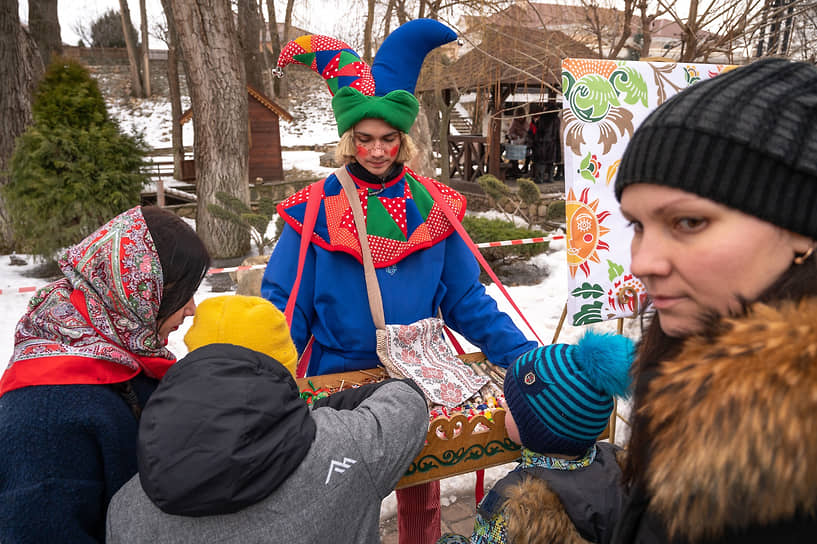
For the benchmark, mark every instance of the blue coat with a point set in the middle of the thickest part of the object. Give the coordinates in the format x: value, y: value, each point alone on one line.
x: 332, y: 304
x: 65, y: 450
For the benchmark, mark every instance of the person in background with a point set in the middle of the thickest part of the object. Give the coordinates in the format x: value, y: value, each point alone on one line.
x: 719, y: 184
x: 87, y: 355
x: 423, y: 266
x: 567, y: 487
x: 229, y: 451
x: 517, y: 134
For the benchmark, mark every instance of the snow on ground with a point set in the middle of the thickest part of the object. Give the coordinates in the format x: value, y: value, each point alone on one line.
x: 541, y: 304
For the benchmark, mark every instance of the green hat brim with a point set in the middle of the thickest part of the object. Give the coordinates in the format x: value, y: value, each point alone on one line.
x: 398, y: 108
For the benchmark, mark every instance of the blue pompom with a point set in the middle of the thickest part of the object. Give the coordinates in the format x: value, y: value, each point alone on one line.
x: 605, y: 360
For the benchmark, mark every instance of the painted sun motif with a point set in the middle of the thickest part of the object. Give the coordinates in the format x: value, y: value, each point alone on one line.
x: 584, y: 231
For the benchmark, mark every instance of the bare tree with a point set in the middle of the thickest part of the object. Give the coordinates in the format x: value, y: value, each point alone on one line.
x: 168, y: 35
x: 45, y: 28
x: 209, y: 43
x: 249, y: 31
x: 145, y: 48
x: 274, y: 48
x: 21, y: 67
x: 133, y: 62
x: 367, y: 33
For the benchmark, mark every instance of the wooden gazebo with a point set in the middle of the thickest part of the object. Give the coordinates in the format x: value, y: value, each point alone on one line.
x: 264, y: 115
x: 505, y: 61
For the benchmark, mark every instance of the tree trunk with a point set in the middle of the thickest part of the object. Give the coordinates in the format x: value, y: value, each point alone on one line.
x: 445, y: 103
x: 646, y: 30
x: 20, y: 68
x: 248, y: 36
x: 145, y: 48
x: 422, y: 162
x: 45, y: 28
x: 387, y: 19
x: 367, y: 34
x: 217, y: 84
x: 275, y: 42
x: 174, y: 90
x: 133, y: 62
x: 284, y: 83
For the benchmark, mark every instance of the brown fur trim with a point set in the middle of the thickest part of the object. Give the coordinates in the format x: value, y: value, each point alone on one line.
x: 535, y: 515
x: 733, y: 424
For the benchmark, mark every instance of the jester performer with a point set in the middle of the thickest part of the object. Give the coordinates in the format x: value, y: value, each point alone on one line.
x: 422, y: 265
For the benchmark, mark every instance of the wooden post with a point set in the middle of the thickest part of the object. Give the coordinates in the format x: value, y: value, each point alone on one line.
x: 160, y: 189
x: 559, y: 326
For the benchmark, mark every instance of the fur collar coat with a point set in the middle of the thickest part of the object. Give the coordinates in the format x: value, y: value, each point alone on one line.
x: 732, y: 422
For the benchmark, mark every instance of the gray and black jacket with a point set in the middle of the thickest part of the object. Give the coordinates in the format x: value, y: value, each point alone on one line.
x: 229, y: 452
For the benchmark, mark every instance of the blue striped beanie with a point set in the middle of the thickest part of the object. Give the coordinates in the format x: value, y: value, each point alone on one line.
x: 561, y: 396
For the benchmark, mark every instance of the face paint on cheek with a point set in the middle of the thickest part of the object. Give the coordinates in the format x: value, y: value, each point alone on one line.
x: 361, y: 151
x: 393, y: 151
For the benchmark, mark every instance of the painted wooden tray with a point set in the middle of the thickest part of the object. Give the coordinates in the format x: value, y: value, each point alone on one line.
x: 457, y: 444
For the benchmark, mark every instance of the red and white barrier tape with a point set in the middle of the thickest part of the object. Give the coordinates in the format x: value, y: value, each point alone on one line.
x: 16, y: 290
x: 538, y: 240
x: 519, y: 242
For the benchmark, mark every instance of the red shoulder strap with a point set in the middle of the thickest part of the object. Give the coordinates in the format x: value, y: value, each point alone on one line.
x: 455, y: 222
x: 313, y: 204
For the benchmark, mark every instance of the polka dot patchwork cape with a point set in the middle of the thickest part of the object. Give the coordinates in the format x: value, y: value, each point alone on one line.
x: 400, y: 219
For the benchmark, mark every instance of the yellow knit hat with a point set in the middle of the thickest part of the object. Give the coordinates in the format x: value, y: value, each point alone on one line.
x: 251, y: 322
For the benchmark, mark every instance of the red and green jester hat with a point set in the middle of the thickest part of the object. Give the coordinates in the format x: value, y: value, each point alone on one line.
x: 397, y: 224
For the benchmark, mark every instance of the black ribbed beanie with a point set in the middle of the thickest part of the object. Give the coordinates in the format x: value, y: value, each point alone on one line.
x: 746, y: 139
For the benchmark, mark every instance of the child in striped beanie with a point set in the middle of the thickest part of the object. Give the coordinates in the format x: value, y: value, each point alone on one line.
x: 567, y: 486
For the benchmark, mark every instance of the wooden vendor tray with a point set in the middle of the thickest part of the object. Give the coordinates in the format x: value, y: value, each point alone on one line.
x: 454, y: 445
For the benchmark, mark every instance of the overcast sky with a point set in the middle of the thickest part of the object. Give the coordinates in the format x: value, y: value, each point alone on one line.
x: 320, y: 16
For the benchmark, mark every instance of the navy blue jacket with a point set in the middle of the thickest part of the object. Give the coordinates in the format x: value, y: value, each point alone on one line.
x: 65, y: 450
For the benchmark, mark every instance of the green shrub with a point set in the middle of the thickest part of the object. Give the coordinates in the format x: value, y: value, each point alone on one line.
x: 556, y: 210
x: 68, y: 96
x: 106, y: 30
x: 493, y: 186
x: 69, y: 174
x: 528, y: 191
x: 254, y: 223
x: 482, y: 229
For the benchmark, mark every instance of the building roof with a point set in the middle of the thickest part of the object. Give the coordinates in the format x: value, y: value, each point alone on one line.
x: 267, y: 102
x: 532, y: 59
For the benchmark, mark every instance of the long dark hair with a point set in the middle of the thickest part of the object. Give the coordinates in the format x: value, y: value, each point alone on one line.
x: 184, y: 258
x: 799, y: 281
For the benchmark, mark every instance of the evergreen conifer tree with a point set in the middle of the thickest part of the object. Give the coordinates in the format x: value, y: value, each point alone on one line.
x: 73, y: 169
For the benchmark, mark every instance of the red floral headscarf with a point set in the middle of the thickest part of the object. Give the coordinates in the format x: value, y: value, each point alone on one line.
x: 98, y: 324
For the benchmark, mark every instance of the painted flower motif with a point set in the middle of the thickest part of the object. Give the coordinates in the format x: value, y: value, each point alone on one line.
x: 691, y: 75
x: 590, y: 167
x: 594, y: 91
x: 449, y: 392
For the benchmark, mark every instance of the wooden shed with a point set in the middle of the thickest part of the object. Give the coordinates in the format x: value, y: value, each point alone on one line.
x: 264, y: 115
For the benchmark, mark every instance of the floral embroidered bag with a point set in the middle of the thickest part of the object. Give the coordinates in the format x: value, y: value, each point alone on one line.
x: 418, y: 350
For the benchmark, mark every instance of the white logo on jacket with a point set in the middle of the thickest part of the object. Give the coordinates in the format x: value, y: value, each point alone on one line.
x: 339, y: 467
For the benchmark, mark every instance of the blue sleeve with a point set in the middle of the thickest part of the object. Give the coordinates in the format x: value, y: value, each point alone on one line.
x: 469, y: 310
x: 279, y: 278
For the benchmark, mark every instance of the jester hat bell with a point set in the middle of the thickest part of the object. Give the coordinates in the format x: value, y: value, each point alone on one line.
x: 384, y: 91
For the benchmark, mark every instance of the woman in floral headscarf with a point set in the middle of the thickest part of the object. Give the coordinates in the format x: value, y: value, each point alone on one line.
x: 87, y: 354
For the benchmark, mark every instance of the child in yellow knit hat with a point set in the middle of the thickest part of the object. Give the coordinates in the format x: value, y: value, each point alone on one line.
x: 251, y: 322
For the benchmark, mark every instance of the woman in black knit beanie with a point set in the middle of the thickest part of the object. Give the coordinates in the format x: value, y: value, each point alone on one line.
x: 720, y: 186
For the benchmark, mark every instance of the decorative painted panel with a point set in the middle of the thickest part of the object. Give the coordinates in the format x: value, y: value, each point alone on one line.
x: 604, y: 101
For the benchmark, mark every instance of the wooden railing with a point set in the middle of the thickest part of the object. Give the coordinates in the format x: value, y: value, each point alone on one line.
x: 468, y: 156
